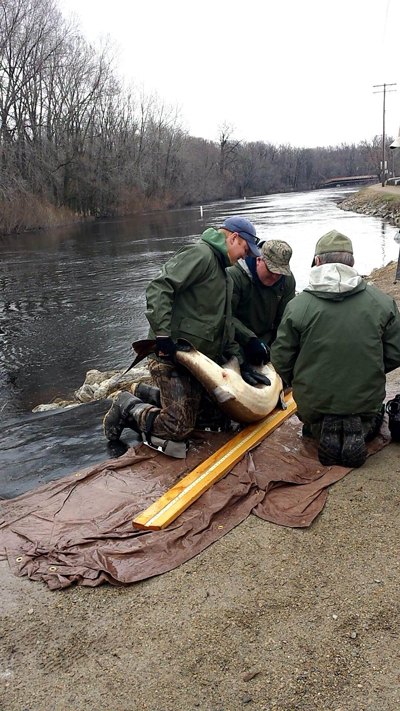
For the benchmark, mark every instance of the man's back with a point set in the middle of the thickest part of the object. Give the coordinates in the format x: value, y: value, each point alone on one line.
x: 189, y: 298
x: 335, y: 344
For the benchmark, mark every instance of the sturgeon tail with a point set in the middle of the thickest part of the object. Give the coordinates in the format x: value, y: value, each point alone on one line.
x: 145, y: 347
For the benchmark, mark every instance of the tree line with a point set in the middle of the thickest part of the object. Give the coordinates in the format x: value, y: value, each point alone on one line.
x: 75, y: 141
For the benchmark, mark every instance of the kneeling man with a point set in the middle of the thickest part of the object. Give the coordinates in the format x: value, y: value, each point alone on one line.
x: 190, y: 299
x: 261, y: 289
x: 336, y: 342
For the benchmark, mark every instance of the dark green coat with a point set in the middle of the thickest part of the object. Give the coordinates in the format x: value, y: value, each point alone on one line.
x: 257, y: 309
x: 335, y: 348
x: 191, y: 298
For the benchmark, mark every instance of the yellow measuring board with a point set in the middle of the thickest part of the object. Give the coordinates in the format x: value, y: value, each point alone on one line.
x: 168, y: 507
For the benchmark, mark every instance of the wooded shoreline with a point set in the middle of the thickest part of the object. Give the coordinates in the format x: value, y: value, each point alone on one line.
x: 75, y: 142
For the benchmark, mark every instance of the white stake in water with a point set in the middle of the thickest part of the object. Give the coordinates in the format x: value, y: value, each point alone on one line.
x: 201, y: 210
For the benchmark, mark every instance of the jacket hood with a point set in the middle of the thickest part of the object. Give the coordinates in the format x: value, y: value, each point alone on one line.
x: 334, y: 281
x: 217, y: 241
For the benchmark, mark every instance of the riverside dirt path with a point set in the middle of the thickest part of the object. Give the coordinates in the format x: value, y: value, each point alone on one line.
x: 268, y: 618
x: 387, y: 190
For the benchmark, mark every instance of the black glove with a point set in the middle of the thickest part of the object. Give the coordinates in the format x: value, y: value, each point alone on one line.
x: 257, y: 353
x: 251, y: 377
x: 166, y: 349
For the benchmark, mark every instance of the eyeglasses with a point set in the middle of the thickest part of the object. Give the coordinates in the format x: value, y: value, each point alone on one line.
x: 249, y: 238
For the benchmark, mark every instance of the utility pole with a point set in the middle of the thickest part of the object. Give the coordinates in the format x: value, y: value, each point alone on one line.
x: 383, y: 87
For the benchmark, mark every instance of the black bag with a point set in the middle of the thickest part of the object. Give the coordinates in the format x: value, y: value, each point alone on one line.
x: 393, y: 410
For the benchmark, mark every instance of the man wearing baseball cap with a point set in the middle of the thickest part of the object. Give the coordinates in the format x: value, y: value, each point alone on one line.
x: 261, y: 289
x: 336, y: 342
x: 246, y: 230
x: 190, y: 299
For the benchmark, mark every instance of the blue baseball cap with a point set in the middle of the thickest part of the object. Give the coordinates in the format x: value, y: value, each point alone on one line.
x: 246, y: 230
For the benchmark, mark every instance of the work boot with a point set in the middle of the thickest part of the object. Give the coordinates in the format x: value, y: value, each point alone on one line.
x: 354, y: 451
x: 330, y: 443
x: 121, y: 415
x: 148, y: 393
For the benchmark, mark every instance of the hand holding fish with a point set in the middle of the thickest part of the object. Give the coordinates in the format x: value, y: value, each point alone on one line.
x: 242, y: 400
x: 251, y: 377
x: 166, y: 348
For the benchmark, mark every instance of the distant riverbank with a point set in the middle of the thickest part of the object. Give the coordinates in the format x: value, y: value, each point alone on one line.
x: 29, y: 213
x: 376, y: 201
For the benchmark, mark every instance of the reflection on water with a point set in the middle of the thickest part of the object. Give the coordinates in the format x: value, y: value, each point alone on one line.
x: 73, y: 298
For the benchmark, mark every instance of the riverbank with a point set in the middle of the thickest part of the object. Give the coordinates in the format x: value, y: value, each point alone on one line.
x: 268, y: 618
x: 376, y: 201
x: 25, y: 213
x: 28, y: 213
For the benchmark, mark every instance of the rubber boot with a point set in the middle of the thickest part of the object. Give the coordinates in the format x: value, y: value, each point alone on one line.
x: 120, y: 415
x: 330, y: 443
x: 148, y: 393
x: 354, y: 451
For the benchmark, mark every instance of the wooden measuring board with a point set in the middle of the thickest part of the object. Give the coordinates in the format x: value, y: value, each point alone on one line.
x: 168, y: 507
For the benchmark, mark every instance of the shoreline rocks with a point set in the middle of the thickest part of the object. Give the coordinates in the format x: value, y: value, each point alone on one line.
x: 100, y: 385
x: 370, y: 201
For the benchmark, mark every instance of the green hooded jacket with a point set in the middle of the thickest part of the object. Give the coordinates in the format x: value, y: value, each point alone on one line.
x: 191, y: 298
x: 257, y: 309
x: 336, y: 341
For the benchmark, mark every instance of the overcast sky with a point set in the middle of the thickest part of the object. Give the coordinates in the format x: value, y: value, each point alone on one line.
x: 287, y: 71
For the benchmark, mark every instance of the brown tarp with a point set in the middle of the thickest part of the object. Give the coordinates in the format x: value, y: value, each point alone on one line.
x: 79, y: 529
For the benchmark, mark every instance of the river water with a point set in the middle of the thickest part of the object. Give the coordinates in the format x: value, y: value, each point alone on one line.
x: 73, y: 298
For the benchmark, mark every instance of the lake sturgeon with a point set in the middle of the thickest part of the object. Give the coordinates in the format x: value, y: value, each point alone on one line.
x: 240, y: 401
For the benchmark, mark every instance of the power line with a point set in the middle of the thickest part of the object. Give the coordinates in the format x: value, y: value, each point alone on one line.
x: 384, y: 91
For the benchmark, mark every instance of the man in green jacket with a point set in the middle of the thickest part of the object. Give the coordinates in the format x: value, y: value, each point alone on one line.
x: 336, y: 342
x: 191, y: 299
x: 261, y: 289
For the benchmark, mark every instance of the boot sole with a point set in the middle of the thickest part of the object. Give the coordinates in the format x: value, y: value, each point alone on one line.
x: 330, y: 445
x: 354, y: 451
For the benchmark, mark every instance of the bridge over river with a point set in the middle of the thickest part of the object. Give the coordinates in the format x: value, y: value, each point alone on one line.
x: 349, y: 180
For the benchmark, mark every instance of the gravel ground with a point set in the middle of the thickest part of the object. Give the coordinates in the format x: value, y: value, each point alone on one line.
x: 268, y: 618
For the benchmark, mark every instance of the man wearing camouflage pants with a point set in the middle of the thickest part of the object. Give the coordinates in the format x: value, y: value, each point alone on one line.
x: 190, y: 299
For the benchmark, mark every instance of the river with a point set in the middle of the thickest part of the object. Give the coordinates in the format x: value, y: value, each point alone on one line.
x: 73, y: 298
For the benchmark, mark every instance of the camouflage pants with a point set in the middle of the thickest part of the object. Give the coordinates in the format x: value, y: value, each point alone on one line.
x: 185, y: 404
